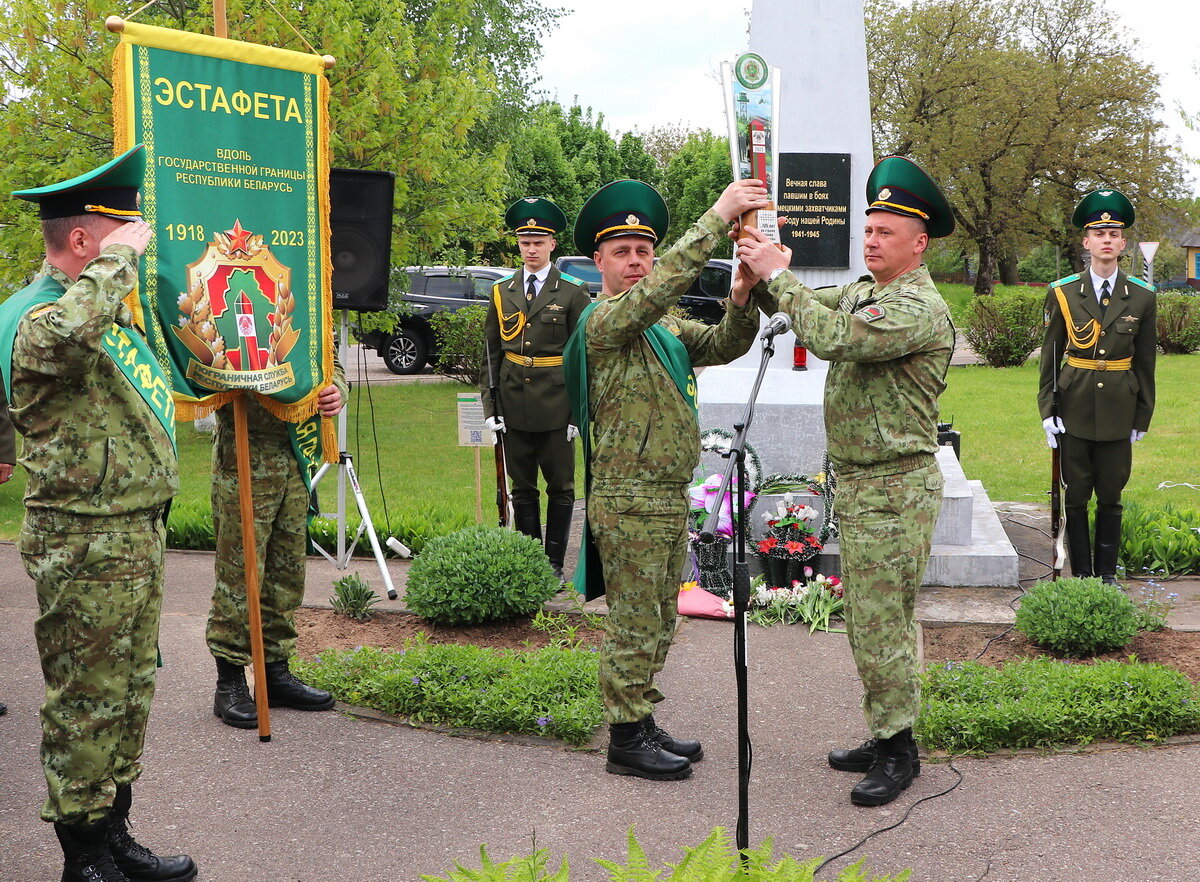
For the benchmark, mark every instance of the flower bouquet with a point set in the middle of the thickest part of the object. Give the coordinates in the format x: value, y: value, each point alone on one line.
x: 710, y: 563
x: 813, y: 602
x: 790, y: 542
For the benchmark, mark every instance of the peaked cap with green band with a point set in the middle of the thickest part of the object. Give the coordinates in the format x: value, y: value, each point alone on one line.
x: 1103, y: 209
x: 110, y: 190
x: 900, y: 186
x: 535, y: 216
x: 621, y: 208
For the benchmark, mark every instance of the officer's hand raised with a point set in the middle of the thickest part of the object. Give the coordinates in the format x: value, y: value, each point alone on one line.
x: 740, y: 197
x: 136, y: 234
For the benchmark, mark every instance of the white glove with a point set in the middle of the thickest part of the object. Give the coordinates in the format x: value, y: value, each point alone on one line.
x: 1052, y: 426
x: 572, y: 432
x: 495, y: 424
x: 1136, y: 436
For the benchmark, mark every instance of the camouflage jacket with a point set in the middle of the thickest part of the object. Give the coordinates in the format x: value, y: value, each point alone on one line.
x: 93, y: 447
x: 644, y: 432
x: 889, y: 347
x: 262, y: 426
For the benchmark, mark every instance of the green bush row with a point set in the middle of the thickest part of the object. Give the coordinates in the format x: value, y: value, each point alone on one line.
x: 1164, y: 540
x: 1041, y: 702
x: 1003, y: 329
x: 1178, y: 322
x: 713, y: 860
x: 551, y: 691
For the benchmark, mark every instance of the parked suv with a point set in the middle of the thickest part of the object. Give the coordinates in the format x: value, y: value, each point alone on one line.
x: 702, y: 300
x: 431, y: 289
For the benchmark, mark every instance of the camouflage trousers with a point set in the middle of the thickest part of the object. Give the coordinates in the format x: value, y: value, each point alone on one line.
x: 99, y: 587
x: 643, y: 543
x: 886, y: 529
x: 281, y: 535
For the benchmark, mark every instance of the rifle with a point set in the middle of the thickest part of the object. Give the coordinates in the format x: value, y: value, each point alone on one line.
x: 1056, y: 531
x: 503, y: 502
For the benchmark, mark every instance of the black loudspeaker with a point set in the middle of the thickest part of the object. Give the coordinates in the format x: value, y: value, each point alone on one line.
x: 360, y: 222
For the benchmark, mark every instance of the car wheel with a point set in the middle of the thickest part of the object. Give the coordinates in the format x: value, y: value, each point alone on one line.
x: 406, y: 352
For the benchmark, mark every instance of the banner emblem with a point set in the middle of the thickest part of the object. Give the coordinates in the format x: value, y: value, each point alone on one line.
x: 235, y: 319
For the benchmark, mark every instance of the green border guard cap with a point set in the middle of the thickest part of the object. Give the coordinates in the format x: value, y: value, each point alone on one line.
x: 1102, y: 209
x: 621, y: 208
x: 110, y: 190
x: 899, y: 185
x: 535, y: 216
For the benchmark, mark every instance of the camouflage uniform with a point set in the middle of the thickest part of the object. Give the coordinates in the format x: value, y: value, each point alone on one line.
x: 889, y: 348
x: 280, y: 501
x: 646, y: 444
x: 101, y: 469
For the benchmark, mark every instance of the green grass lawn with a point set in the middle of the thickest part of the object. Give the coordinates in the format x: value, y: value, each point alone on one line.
x: 405, y: 445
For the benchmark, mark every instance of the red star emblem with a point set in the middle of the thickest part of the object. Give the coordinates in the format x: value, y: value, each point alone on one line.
x: 239, y: 239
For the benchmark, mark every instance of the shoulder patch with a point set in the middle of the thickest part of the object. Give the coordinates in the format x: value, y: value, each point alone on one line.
x: 38, y: 313
x: 573, y: 280
x: 1066, y: 280
x: 1140, y: 283
x: 871, y: 313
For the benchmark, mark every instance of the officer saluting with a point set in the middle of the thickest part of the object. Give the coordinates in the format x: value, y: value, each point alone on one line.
x: 1101, y: 323
x: 95, y: 410
x: 530, y: 318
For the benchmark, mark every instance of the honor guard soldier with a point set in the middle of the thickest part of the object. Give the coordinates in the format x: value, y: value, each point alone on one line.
x: 528, y: 322
x: 633, y: 394
x: 888, y: 339
x: 1100, y: 346
x: 96, y: 414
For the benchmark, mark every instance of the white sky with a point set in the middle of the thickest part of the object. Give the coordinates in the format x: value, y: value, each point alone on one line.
x: 649, y: 62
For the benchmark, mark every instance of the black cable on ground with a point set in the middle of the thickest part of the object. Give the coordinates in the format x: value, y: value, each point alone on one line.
x: 874, y: 833
x: 365, y: 381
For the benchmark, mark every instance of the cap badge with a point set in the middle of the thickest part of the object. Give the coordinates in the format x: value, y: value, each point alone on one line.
x: 885, y: 193
x: 531, y: 199
x: 1105, y: 192
x: 632, y: 220
x: 1106, y: 216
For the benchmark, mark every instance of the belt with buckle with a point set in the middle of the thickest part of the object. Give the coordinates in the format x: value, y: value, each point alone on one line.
x: 534, y: 361
x: 1112, y: 364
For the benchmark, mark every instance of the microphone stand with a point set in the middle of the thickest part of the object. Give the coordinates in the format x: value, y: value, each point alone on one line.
x: 741, y: 588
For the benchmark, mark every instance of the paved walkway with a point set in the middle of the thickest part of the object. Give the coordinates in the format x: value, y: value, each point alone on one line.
x: 334, y: 798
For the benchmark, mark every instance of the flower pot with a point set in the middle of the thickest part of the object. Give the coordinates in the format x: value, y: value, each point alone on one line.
x: 712, y: 565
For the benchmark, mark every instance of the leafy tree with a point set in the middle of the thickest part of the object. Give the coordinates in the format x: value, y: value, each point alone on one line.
x: 410, y: 85
x: 1018, y: 107
x: 695, y: 177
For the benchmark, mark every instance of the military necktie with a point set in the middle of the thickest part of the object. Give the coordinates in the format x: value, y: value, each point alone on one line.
x: 1104, y: 293
x: 532, y: 292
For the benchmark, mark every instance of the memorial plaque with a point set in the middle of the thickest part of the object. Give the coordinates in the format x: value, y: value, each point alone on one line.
x: 814, y: 208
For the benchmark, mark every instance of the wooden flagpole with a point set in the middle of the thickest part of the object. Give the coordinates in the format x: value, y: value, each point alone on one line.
x: 241, y: 437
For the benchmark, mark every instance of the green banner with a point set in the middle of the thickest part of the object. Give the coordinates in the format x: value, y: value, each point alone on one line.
x: 235, y: 292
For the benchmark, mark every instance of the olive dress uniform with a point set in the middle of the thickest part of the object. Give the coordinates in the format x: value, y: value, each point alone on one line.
x: 1104, y: 361
x: 525, y: 344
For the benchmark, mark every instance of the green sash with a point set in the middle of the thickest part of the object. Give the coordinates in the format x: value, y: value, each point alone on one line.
x: 589, y: 573
x: 306, y: 445
x: 124, y: 346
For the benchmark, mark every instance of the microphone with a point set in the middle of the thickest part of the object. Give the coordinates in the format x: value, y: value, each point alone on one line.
x: 778, y: 324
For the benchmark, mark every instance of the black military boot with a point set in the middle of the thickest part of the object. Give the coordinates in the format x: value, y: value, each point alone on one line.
x: 558, y: 531
x: 861, y: 758
x: 1108, y: 545
x: 285, y: 689
x: 527, y: 518
x: 1079, y: 543
x: 86, y: 857
x: 891, y: 772
x: 691, y: 751
x: 138, y: 863
x: 233, y: 703
x: 632, y: 751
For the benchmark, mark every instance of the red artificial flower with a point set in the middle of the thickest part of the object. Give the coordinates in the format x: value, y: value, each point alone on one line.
x: 793, y: 547
x: 767, y: 544
x: 813, y: 541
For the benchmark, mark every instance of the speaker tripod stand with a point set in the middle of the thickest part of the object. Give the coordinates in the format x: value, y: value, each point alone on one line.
x: 347, y: 476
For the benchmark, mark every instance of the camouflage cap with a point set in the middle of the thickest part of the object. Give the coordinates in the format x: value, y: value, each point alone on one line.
x: 110, y: 190
x: 900, y: 186
x: 535, y: 216
x: 1102, y: 209
x: 621, y: 208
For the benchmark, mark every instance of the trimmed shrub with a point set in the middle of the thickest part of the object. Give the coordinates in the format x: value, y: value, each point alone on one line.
x: 1077, y: 617
x: 480, y: 574
x: 1178, y: 323
x: 1004, y: 328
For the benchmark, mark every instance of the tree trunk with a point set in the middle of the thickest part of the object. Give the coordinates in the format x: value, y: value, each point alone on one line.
x: 1008, y: 271
x: 985, y: 275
